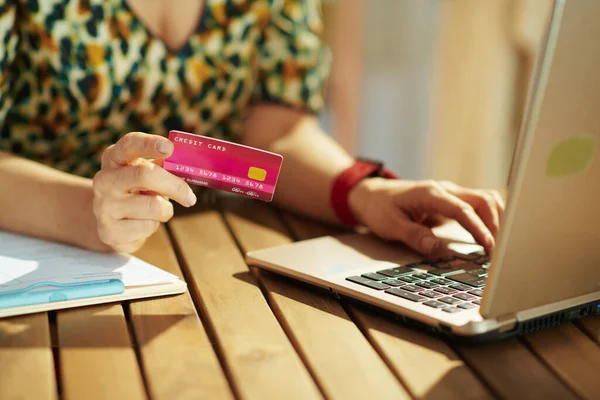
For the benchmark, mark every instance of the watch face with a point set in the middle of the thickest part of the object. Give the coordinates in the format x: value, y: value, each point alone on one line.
x: 376, y: 163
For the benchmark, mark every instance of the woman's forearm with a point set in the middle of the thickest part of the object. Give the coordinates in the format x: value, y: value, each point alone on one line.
x: 312, y: 160
x: 39, y: 201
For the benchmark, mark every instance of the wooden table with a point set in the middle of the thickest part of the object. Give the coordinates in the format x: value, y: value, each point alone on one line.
x: 244, y: 333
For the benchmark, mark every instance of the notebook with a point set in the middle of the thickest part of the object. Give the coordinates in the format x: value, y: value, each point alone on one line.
x: 37, y: 275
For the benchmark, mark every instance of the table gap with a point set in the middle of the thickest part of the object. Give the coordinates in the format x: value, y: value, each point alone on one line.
x: 263, y: 290
x: 135, y: 346
x: 586, y: 332
x: 210, y: 330
x: 555, y: 373
x: 54, y: 345
x: 350, y: 312
x: 473, y: 369
x: 287, y: 329
x: 348, y: 308
x: 388, y: 362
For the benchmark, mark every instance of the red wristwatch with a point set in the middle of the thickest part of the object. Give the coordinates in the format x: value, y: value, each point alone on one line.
x: 348, y: 179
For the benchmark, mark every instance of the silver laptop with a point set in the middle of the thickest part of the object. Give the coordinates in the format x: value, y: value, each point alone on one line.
x: 546, y: 266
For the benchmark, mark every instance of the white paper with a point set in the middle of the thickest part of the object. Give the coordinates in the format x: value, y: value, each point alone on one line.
x: 26, y: 261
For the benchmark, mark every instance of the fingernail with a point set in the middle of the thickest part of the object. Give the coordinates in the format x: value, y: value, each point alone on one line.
x: 191, y: 198
x: 428, y: 244
x: 164, y: 147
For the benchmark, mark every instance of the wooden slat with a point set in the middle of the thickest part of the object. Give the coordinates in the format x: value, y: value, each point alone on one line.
x: 26, y: 358
x: 514, y: 372
x: 97, y: 360
x: 591, y: 326
x: 179, y: 360
x: 260, y: 360
x: 572, y: 355
x: 428, y: 367
x: 332, y: 346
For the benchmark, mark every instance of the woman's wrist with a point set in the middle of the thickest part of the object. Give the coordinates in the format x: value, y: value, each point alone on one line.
x: 350, y: 189
x: 77, y: 217
x: 89, y: 228
x: 358, y: 198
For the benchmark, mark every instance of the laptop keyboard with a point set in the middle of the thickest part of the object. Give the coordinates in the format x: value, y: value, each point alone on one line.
x: 451, y: 285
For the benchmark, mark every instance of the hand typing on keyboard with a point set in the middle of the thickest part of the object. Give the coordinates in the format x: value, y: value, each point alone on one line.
x: 403, y: 210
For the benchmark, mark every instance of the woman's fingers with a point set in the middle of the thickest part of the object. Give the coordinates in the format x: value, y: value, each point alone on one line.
x: 131, y: 192
x: 416, y: 207
x: 124, y: 224
x: 415, y: 235
x: 488, y: 204
x: 499, y: 200
x: 486, y: 207
x: 145, y: 177
x: 136, y: 145
x: 125, y: 235
x: 445, y: 204
x: 140, y: 207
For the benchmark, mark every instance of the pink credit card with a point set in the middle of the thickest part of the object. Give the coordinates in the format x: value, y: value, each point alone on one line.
x: 219, y: 164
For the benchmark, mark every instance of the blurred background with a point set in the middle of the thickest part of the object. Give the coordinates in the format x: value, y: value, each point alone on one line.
x: 442, y: 83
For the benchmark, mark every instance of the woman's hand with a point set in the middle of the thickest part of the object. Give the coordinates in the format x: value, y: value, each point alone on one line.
x: 132, y: 192
x: 402, y: 210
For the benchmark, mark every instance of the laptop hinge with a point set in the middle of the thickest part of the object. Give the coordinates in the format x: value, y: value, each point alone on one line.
x: 507, y: 322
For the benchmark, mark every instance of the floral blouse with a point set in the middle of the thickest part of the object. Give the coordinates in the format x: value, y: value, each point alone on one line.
x: 76, y: 75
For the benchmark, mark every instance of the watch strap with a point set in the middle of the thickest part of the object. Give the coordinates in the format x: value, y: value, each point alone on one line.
x: 348, y: 179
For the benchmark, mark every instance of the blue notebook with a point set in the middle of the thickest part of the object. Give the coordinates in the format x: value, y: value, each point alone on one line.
x: 48, y: 292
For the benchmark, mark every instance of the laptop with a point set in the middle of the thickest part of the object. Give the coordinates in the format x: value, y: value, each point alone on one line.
x: 545, y: 269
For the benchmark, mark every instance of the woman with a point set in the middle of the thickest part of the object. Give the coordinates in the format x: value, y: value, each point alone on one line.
x: 89, y: 88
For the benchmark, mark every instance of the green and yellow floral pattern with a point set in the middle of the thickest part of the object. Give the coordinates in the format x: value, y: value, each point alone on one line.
x: 76, y: 75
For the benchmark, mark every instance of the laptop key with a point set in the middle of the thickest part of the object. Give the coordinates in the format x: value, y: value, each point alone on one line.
x: 469, y: 257
x: 431, y: 294
x: 482, y: 260
x: 480, y: 272
x: 450, y: 300
x: 408, y: 279
x: 461, y: 287
x: 406, y: 295
x: 467, y: 306
x: 422, y: 276
x: 476, y: 292
x: 478, y: 302
x: 440, y: 260
x: 440, y: 264
x: 468, y: 279
x: 414, y: 265
x: 435, y: 304
x: 446, y: 271
x: 394, y: 282
x: 375, y: 276
x: 368, y: 282
x: 428, y: 285
x: 441, y: 281
x: 394, y: 272
x: 465, y: 296
x: 451, y: 310
x: 446, y: 290
x: 412, y: 288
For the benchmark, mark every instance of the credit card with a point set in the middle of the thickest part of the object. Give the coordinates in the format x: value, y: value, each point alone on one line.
x: 223, y: 165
